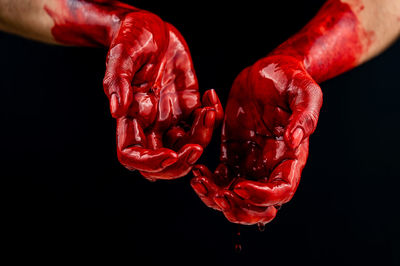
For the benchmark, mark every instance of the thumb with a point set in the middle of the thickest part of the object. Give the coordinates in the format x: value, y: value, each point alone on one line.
x: 305, y: 101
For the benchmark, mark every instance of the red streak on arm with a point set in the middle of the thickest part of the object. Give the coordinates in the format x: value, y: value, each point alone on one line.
x: 330, y: 44
x: 162, y: 125
x: 87, y: 23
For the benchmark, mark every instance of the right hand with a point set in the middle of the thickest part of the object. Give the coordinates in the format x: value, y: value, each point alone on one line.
x: 162, y: 124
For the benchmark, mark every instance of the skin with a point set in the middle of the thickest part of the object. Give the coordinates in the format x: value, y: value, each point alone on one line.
x: 162, y: 123
x: 273, y: 108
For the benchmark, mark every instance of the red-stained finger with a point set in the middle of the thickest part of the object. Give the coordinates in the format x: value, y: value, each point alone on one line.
x: 172, y: 136
x: 220, y: 176
x: 202, y: 128
x: 237, y: 210
x: 305, y: 102
x: 200, y: 133
x: 206, y: 189
x: 210, y: 99
x: 202, y: 170
x: 132, y: 154
x: 117, y: 80
x: 187, y: 156
x: 135, y: 44
x: 279, y: 189
x: 138, y: 158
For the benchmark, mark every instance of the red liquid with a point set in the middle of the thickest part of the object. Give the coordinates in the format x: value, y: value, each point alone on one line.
x: 238, y: 241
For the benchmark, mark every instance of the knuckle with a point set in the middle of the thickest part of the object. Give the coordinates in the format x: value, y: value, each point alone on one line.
x: 107, y: 80
x: 309, y: 121
x: 316, y: 94
x: 122, y: 160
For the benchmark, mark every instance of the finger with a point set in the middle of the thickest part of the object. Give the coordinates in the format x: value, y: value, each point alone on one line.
x: 220, y: 176
x: 187, y: 156
x: 279, y: 189
x: 237, y: 210
x: 305, y: 101
x: 117, y: 80
x: 202, y: 170
x: 138, y: 158
x: 173, y: 136
x: 200, y: 133
x: 204, y: 185
x: 127, y: 55
x: 202, y: 128
x: 131, y: 154
x: 210, y: 99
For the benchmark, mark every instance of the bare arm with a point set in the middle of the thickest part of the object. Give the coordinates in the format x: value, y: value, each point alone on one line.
x: 274, y: 105
x: 27, y: 18
x: 381, y: 22
x: 84, y: 22
x: 148, y: 67
x: 343, y: 35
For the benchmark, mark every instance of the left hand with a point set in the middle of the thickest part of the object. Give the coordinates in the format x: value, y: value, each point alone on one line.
x: 273, y: 108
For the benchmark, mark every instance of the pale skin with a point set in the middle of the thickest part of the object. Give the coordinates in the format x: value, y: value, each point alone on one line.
x: 379, y: 20
x: 382, y: 17
x: 29, y: 19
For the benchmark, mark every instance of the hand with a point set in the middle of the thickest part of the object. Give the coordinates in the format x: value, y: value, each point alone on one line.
x: 166, y: 126
x: 273, y: 108
x: 136, y: 58
x: 162, y: 127
x: 137, y: 41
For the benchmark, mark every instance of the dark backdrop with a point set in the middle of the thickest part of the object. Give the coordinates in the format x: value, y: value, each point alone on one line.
x: 67, y: 197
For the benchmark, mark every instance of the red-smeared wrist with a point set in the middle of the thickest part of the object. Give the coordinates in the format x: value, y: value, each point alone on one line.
x: 87, y: 23
x: 329, y: 44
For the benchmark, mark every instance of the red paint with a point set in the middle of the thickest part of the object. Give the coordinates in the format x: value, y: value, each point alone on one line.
x: 273, y: 108
x: 330, y: 44
x: 162, y: 126
x: 87, y: 23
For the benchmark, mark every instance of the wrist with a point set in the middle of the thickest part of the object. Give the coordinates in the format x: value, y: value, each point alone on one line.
x: 329, y: 44
x: 84, y: 23
x: 290, y: 53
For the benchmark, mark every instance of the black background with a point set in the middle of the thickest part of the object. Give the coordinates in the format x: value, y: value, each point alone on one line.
x: 66, y: 197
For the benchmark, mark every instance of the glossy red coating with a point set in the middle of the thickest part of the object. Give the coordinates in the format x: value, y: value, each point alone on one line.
x: 273, y: 108
x: 331, y: 43
x: 162, y: 125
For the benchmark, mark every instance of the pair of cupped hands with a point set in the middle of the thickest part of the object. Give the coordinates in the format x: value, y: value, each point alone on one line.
x: 163, y: 124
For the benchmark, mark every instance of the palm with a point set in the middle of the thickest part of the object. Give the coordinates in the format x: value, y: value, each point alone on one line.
x: 262, y: 153
x: 168, y: 122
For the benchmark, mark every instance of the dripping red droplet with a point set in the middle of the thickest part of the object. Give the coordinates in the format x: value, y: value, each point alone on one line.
x: 238, y: 247
x: 261, y: 227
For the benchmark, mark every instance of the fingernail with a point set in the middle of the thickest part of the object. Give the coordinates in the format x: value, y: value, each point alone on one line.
x: 242, y: 193
x: 194, y: 156
x: 196, y: 172
x: 297, y: 137
x: 213, y: 96
x: 199, y: 188
x: 168, y: 162
x: 209, y: 119
x: 114, y: 103
x: 210, y: 98
x: 222, y: 203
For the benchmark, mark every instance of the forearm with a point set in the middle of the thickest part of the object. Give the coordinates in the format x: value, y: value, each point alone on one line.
x: 343, y: 35
x: 69, y: 22
x: 26, y: 18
